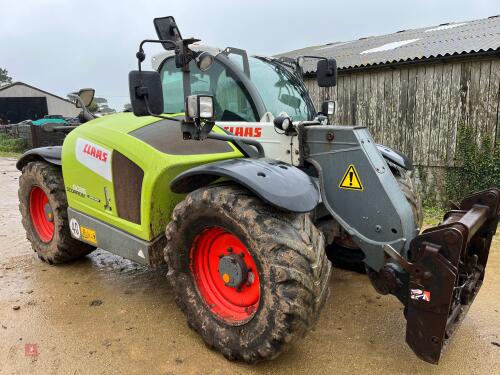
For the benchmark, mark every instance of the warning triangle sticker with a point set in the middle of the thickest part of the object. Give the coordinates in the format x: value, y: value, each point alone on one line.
x: 351, y: 179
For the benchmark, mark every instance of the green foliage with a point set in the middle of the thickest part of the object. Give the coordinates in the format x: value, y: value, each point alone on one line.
x: 100, y: 105
x: 93, y: 107
x: 433, y: 215
x: 428, y: 187
x: 477, y: 166
x: 4, y: 77
x: 11, y: 145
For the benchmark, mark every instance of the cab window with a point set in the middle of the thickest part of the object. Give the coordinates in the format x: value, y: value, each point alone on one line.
x: 232, y: 102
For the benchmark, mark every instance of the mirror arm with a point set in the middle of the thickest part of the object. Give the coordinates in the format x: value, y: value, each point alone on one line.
x: 155, y: 41
x: 78, y: 99
x: 146, y: 101
x: 87, y: 115
x: 141, y: 56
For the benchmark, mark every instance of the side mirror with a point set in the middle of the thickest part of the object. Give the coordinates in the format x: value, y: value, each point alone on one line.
x: 167, y: 29
x: 326, y: 73
x: 86, y: 95
x: 146, y: 94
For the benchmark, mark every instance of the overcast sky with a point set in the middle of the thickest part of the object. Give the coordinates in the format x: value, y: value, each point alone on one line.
x: 63, y: 45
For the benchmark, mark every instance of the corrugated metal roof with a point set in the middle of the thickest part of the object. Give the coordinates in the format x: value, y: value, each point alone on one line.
x: 407, y: 45
x: 9, y: 85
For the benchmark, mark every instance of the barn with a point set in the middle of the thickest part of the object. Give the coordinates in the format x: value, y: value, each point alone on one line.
x: 20, y: 101
x: 413, y: 89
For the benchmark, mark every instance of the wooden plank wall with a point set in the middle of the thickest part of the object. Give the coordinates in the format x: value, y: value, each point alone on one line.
x: 417, y: 108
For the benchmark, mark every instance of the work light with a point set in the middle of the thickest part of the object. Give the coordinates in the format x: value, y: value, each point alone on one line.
x: 328, y: 108
x: 204, y: 61
x: 283, y: 122
x: 200, y: 107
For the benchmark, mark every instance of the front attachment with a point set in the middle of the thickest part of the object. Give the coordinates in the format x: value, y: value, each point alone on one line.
x: 446, y: 268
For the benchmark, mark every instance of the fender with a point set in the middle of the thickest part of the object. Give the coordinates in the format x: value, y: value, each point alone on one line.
x: 396, y: 157
x: 276, y: 183
x: 51, y: 155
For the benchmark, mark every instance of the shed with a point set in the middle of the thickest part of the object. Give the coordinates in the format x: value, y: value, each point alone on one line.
x: 20, y: 101
x: 414, y: 87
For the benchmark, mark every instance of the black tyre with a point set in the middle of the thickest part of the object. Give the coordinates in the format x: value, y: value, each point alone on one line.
x: 250, y: 279
x: 351, y: 258
x: 347, y: 258
x: 406, y: 185
x: 43, y: 206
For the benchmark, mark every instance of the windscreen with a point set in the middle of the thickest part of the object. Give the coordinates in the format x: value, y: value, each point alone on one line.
x: 280, y: 90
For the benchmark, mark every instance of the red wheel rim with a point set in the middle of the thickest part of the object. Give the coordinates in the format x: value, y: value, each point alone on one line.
x: 41, y: 212
x: 233, y: 305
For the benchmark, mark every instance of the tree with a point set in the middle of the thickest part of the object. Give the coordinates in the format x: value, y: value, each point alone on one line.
x: 105, y: 109
x: 4, y: 77
x: 101, y: 101
x: 93, y: 107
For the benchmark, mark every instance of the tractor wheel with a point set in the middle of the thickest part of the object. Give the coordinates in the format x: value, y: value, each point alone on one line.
x: 343, y: 252
x: 43, y: 206
x: 412, y: 196
x: 251, y: 279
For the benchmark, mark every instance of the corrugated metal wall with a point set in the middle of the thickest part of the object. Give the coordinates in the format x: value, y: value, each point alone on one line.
x: 55, y: 105
x: 417, y: 108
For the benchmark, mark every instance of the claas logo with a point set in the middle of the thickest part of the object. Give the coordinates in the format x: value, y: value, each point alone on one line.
x: 95, y: 153
x: 244, y: 131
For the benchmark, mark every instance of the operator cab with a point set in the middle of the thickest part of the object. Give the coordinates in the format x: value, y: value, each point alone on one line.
x: 209, y: 85
x: 248, y: 89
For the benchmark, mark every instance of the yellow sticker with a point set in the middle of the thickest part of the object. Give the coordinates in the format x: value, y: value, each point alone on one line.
x: 351, y: 179
x: 88, y: 235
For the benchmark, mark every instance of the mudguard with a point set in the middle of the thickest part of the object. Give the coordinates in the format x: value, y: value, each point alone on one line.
x: 278, y: 184
x: 51, y: 155
x: 396, y: 157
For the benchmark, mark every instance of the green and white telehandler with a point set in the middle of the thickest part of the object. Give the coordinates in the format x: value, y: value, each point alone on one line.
x: 227, y: 173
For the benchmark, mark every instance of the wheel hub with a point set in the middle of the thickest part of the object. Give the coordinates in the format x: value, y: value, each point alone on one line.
x: 226, y: 275
x: 49, y: 215
x: 233, y: 270
x: 42, y: 216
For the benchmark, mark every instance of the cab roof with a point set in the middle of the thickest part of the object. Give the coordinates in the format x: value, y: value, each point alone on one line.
x: 156, y: 60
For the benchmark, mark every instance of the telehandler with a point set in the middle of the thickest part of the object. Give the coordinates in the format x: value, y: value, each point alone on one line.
x: 227, y: 173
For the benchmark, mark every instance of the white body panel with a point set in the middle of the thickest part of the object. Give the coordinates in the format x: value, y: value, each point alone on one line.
x: 276, y: 145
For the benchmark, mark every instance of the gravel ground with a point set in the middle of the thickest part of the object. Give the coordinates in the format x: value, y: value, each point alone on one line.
x: 106, y: 315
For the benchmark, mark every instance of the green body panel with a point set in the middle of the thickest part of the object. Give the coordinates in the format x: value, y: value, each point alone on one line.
x: 86, y: 189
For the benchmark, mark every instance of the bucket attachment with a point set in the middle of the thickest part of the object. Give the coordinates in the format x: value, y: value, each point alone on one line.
x: 446, y: 266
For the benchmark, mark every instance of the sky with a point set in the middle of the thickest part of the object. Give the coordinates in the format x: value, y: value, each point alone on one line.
x: 61, y: 46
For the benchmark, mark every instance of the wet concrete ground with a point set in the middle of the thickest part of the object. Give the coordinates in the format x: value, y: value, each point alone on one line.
x: 105, y: 315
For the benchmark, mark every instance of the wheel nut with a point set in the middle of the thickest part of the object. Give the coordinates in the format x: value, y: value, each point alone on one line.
x: 250, y: 278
